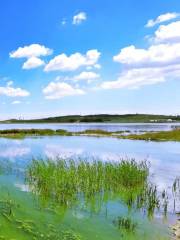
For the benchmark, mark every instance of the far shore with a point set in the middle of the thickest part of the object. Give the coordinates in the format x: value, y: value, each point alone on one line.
x: 101, y: 118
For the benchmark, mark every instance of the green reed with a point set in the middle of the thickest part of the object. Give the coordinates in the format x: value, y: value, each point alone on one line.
x: 125, y: 223
x: 66, y: 182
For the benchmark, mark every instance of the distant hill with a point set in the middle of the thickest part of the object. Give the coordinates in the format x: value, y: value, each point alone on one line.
x: 102, y: 118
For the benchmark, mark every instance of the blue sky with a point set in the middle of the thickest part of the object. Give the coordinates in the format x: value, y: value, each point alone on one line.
x: 85, y: 57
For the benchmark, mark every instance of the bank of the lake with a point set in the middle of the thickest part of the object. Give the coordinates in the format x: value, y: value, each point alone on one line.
x: 176, y: 230
x: 173, y: 135
x: 102, y: 118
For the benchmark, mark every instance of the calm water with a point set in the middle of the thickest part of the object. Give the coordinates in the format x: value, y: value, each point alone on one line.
x: 133, y: 127
x: 164, y: 159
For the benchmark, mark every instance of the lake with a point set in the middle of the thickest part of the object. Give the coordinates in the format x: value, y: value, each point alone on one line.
x: 133, y: 127
x: 164, y: 159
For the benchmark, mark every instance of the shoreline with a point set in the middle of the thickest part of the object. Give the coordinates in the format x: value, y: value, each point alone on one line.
x: 172, y: 135
x: 176, y: 230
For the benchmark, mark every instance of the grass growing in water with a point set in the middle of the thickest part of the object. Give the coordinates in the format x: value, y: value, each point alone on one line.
x: 66, y: 182
x: 173, y: 135
x: 61, y: 178
x: 125, y: 223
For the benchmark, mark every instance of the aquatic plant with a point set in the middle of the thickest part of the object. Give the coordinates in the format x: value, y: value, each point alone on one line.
x: 173, y: 135
x: 69, y: 235
x: 7, y: 206
x: 56, y: 178
x: 10, y: 209
x: 125, y: 223
x: 176, y: 186
x: 176, y: 192
x: 66, y: 182
x: 95, y: 131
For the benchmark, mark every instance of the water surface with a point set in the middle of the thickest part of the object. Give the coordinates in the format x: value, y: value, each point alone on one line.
x: 75, y: 127
x: 164, y: 158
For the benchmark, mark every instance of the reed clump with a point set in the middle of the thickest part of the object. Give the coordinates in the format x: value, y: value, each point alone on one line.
x: 95, y: 131
x: 66, y: 182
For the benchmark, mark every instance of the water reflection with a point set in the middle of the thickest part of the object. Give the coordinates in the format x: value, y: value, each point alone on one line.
x: 54, y: 150
x: 163, y: 157
x: 133, y: 127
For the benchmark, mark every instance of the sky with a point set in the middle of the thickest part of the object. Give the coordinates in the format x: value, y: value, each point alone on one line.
x: 88, y: 57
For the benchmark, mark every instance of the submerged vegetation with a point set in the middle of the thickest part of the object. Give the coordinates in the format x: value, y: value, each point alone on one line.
x: 18, y: 223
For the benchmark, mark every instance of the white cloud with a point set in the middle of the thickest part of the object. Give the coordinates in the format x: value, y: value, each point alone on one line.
x: 57, y: 90
x: 33, y: 62
x: 162, y: 18
x: 154, y: 56
x: 64, y: 63
x: 168, y: 33
x: 86, y: 76
x: 138, y: 77
x: 10, y: 91
x: 158, y: 63
x: 16, y: 102
x: 32, y: 53
x: 33, y: 50
x: 79, y: 18
x: 98, y: 66
x: 135, y: 78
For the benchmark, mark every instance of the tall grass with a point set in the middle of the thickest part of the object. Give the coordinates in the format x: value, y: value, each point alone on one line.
x: 173, y: 135
x: 66, y: 182
x: 125, y: 223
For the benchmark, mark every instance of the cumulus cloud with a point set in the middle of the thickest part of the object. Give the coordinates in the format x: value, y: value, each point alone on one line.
x: 86, y: 76
x: 57, y: 90
x: 32, y: 53
x: 162, y: 18
x: 79, y: 18
x: 157, y: 63
x: 154, y: 56
x: 135, y: 78
x: 10, y: 91
x: 63, y: 62
x: 33, y: 62
x: 33, y: 50
x: 168, y: 33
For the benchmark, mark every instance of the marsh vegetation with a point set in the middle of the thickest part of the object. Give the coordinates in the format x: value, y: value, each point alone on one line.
x: 68, y: 182
x: 173, y: 135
